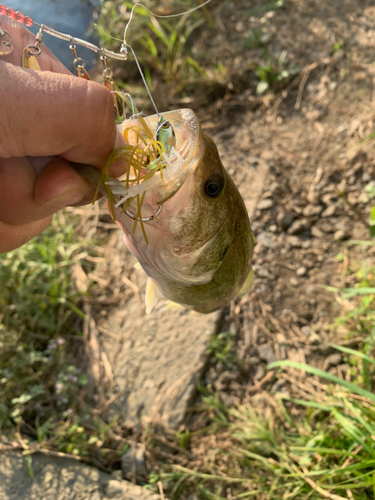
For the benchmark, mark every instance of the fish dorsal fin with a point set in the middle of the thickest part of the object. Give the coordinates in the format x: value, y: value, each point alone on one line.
x: 153, y: 294
x: 247, y: 285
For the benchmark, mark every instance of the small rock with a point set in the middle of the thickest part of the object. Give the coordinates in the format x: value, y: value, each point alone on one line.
x: 332, y: 360
x: 236, y: 389
x: 301, y: 271
x: 326, y: 226
x: 267, y: 353
x: 285, y: 218
x: 134, y: 462
x: 259, y: 373
x: 306, y: 244
x: 114, y: 489
x: 313, y: 197
x: 260, y: 271
x: 282, y: 351
x: 355, y: 154
x: 263, y: 240
x: 307, y: 331
x: 265, y: 204
x: 274, y: 187
x: 294, y: 241
x: 247, y: 328
x: 342, y: 234
x: 294, y: 281
x: 312, y: 210
x: 317, y: 233
x: 366, y: 177
x: 232, y: 329
x: 240, y: 26
x: 299, y: 226
x: 354, y: 126
x: 329, y: 211
x: 273, y: 228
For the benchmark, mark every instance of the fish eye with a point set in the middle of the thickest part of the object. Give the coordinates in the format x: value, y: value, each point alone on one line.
x: 214, y: 186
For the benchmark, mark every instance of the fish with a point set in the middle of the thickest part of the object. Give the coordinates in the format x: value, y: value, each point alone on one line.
x: 191, y: 234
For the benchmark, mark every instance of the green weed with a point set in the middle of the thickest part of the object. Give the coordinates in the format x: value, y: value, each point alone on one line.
x: 295, y: 448
x: 221, y: 346
x: 39, y: 305
x: 261, y: 9
x: 326, y: 454
x: 163, y: 46
x: 274, y: 71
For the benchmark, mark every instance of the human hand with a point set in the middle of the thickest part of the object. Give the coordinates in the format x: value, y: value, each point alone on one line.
x: 48, y: 119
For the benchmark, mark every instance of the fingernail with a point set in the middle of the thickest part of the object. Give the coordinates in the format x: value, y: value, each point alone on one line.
x: 66, y: 199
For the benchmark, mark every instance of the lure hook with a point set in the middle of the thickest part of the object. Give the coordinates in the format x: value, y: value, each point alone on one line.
x: 144, y: 219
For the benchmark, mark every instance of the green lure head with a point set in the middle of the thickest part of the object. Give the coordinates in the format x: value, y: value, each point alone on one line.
x: 165, y: 134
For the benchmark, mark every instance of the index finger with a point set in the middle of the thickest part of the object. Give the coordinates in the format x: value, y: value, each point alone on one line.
x: 48, y: 114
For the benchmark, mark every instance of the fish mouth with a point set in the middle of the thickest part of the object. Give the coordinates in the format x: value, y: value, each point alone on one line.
x: 182, y: 160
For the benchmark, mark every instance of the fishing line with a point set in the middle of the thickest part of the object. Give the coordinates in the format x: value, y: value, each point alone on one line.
x: 124, y: 49
x: 159, y: 15
x: 126, y: 46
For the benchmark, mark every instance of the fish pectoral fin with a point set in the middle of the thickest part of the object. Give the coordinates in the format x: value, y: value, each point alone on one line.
x: 169, y: 306
x: 247, y: 285
x: 153, y: 294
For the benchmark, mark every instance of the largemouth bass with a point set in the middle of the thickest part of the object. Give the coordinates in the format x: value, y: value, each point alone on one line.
x: 199, y: 241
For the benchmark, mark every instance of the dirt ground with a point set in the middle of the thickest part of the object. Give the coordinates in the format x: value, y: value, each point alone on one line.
x: 313, y: 135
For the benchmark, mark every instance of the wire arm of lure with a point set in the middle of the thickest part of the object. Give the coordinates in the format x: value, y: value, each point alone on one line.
x: 122, y: 56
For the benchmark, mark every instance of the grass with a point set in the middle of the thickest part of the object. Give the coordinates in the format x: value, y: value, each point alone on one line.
x: 221, y: 347
x: 39, y: 305
x: 328, y: 453
x: 300, y: 448
x: 41, y: 334
x: 163, y: 46
x: 186, y: 59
